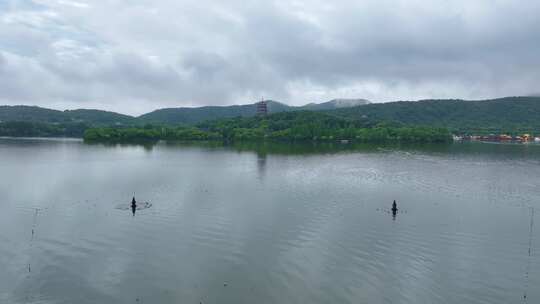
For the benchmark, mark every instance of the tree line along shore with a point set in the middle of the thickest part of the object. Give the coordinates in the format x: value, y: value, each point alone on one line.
x: 290, y: 126
x: 402, y: 121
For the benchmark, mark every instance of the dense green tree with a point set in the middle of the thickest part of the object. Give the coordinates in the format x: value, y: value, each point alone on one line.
x: 287, y: 126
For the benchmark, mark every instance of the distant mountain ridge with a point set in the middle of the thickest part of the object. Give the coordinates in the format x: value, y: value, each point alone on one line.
x: 508, y: 114
x: 200, y: 114
x: 336, y: 104
x: 43, y: 115
x: 181, y: 115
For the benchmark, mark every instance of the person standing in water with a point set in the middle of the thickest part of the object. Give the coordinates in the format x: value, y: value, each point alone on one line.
x: 394, y: 207
x: 133, y: 205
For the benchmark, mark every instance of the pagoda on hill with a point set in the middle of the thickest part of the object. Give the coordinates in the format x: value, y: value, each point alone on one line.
x: 262, y: 109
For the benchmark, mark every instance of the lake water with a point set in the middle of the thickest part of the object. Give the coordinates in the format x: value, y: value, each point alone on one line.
x: 268, y: 223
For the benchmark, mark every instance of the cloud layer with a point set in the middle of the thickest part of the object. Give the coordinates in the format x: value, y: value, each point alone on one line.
x: 137, y: 56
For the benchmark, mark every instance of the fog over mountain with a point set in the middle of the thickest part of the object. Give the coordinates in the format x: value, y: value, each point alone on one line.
x: 133, y: 57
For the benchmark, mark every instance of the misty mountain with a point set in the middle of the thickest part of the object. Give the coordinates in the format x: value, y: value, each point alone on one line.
x: 335, y: 104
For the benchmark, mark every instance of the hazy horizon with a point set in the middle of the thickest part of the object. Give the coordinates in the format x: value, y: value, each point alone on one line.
x: 250, y: 103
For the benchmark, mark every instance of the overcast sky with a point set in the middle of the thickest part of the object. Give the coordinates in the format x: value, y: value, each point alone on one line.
x: 135, y: 56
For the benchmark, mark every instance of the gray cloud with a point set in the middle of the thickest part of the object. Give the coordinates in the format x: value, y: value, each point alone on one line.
x: 134, y: 57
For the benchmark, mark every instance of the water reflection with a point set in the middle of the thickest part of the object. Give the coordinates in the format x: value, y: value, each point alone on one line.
x: 311, y: 237
x: 146, y: 145
x: 497, y: 151
x: 261, y: 164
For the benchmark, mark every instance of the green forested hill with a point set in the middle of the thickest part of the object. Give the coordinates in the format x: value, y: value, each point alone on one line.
x: 44, y: 115
x: 504, y: 115
x: 510, y: 114
x: 31, y: 121
x: 99, y: 117
x: 283, y: 126
x: 167, y: 116
x: 188, y: 116
x: 31, y: 114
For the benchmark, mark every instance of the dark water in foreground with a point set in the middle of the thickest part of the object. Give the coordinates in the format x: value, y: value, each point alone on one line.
x: 273, y: 224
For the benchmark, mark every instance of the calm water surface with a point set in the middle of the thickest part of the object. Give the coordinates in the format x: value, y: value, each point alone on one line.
x: 268, y: 224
